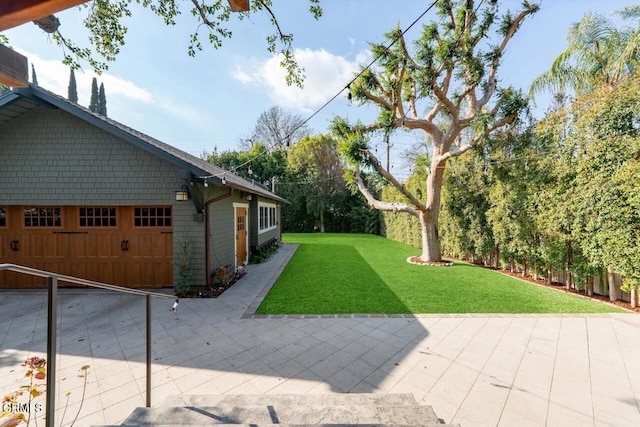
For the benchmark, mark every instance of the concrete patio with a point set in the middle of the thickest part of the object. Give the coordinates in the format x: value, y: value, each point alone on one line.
x: 476, y: 370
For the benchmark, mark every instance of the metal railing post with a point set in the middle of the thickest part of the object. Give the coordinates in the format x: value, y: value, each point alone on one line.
x: 52, y: 337
x: 52, y: 325
x: 148, y: 297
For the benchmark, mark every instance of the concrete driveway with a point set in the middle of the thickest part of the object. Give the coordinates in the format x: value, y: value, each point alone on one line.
x: 477, y: 370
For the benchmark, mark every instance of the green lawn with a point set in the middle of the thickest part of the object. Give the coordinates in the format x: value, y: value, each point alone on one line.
x: 347, y: 273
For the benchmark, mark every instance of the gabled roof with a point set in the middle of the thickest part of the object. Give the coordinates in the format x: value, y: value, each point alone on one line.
x: 22, y: 100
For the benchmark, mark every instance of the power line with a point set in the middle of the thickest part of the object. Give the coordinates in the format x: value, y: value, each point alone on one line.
x: 318, y: 110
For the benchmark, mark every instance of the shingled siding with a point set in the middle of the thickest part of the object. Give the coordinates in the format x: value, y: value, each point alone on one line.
x: 222, y: 228
x: 51, y: 157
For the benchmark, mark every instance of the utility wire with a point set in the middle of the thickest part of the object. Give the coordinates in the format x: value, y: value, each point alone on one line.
x: 317, y: 111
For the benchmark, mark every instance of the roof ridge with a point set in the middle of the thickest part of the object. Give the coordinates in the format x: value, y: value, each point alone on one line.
x: 154, y: 145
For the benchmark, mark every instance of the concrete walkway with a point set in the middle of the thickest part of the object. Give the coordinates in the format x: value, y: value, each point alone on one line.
x: 477, y: 370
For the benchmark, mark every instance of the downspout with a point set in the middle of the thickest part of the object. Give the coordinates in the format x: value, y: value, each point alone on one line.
x: 206, y: 231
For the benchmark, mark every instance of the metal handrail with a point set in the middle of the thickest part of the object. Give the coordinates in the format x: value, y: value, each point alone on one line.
x: 52, y: 325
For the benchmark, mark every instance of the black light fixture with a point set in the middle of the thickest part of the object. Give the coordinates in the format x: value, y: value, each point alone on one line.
x: 183, y: 194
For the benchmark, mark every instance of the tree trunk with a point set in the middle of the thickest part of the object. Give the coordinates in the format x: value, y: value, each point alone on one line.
x: 524, y: 268
x: 430, y: 241
x: 590, y: 282
x: 568, y: 280
x: 322, y: 229
x: 613, y: 291
x: 429, y: 218
x: 634, y: 297
x: 497, y: 257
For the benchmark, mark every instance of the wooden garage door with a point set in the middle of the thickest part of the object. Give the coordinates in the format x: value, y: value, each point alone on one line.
x: 124, y: 245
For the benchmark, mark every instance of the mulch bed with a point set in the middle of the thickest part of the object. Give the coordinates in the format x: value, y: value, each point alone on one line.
x: 215, y: 290
x: 417, y: 261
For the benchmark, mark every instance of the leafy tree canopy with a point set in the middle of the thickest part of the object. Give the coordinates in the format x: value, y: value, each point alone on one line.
x: 598, y: 52
x: 106, y: 22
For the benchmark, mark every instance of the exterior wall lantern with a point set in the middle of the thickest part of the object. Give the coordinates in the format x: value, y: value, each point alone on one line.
x: 183, y: 195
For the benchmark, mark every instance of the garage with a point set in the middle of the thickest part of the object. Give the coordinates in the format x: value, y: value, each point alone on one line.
x: 86, y: 196
x: 130, y: 246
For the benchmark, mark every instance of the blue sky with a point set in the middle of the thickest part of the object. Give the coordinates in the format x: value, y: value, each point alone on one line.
x: 214, y: 99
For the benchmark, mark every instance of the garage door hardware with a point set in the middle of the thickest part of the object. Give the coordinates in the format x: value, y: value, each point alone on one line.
x: 124, y: 245
x: 14, y: 245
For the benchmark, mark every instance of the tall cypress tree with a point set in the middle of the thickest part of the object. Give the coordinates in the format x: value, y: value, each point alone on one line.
x: 72, y: 90
x: 34, y: 78
x: 93, y: 103
x: 102, y: 101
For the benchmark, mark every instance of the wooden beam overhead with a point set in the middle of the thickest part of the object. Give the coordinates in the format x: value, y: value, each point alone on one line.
x: 14, y: 69
x: 239, y: 5
x: 17, y: 12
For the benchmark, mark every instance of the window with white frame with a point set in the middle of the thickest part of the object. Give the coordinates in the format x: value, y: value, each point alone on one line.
x: 267, y: 216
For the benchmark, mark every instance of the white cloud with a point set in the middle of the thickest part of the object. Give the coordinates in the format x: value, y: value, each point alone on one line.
x: 326, y: 75
x: 53, y: 75
x: 146, y: 110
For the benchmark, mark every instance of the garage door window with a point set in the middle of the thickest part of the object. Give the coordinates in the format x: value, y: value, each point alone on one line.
x: 42, y: 217
x: 97, y: 217
x: 152, y: 217
x: 3, y: 217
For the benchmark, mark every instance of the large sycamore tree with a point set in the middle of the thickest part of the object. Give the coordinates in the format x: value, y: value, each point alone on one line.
x: 447, y: 88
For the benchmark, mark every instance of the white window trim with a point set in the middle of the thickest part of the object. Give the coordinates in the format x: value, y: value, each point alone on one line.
x: 268, y: 207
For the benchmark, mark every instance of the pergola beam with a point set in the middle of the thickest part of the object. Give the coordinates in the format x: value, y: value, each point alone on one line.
x: 13, y: 66
x: 17, y: 12
x: 239, y: 5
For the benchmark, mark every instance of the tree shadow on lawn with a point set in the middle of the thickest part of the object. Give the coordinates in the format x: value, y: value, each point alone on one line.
x: 208, y: 348
x: 330, y: 279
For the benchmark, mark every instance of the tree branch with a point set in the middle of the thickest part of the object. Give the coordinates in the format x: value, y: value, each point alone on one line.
x: 491, y: 80
x: 399, y: 106
x: 377, y: 99
x: 456, y: 151
x: 446, y: 102
x: 393, y: 181
x: 505, y: 121
x: 283, y: 37
x: 425, y: 125
x: 431, y: 115
x: 380, y: 205
x: 412, y: 99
